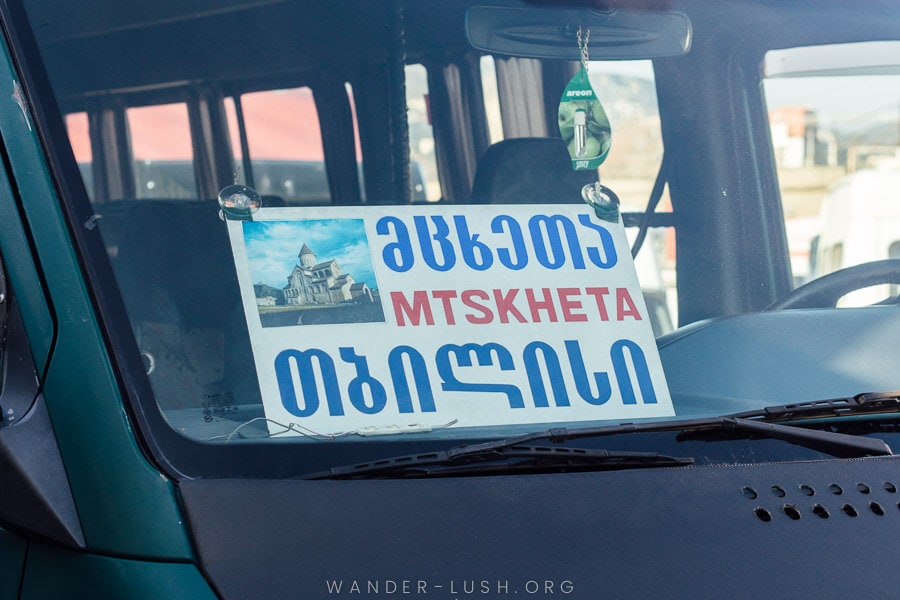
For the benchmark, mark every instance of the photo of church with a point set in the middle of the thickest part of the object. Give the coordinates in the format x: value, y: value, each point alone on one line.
x: 329, y: 280
x: 324, y: 283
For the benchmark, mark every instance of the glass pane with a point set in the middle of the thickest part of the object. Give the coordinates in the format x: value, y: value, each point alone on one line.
x: 423, y: 167
x: 491, y: 98
x: 79, y: 137
x: 162, y: 151
x: 356, y: 142
x: 207, y: 299
x: 285, y: 144
x: 834, y: 114
x: 234, y: 135
x: 627, y: 90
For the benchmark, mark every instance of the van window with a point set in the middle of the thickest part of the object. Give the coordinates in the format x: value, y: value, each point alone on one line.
x: 79, y: 136
x: 835, y: 130
x: 424, y: 180
x: 161, y: 151
x: 284, y: 141
x: 628, y: 89
x: 491, y: 98
x: 356, y: 143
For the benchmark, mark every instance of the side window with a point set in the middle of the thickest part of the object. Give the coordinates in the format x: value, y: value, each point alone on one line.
x: 423, y: 163
x: 283, y: 144
x: 162, y: 151
x: 488, y: 68
x: 627, y: 90
x: 80, y: 139
x: 357, y: 145
x: 835, y: 130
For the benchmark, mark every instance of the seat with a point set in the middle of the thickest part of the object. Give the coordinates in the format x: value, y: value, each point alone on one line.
x: 173, y: 263
x: 528, y: 171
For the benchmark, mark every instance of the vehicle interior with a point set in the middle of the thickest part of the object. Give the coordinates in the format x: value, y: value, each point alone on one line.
x: 389, y: 102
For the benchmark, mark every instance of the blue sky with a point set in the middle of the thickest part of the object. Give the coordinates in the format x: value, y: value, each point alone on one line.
x: 840, y: 101
x: 273, y: 246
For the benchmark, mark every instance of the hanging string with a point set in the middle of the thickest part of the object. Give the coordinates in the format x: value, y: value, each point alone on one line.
x: 583, y: 40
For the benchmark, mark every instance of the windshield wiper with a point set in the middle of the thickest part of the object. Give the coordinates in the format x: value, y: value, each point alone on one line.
x: 839, y: 445
x: 514, y: 454
x: 763, y: 422
x: 505, y: 459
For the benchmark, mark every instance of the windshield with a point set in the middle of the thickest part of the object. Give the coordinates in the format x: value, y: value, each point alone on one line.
x: 361, y: 228
x: 835, y: 120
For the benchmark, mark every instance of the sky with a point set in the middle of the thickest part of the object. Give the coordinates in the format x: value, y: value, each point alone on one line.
x: 840, y: 102
x: 847, y: 101
x: 273, y: 248
x: 850, y: 97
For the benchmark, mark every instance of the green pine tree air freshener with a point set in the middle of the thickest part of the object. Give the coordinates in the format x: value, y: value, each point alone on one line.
x: 583, y: 123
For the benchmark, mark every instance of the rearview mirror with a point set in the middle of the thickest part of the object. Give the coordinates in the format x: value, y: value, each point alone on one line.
x: 551, y: 32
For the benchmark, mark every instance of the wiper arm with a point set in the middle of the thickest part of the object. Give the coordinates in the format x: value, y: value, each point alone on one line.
x: 506, y: 459
x: 839, y: 445
x: 870, y: 403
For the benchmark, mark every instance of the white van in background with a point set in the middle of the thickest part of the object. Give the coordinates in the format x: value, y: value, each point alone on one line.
x: 860, y: 222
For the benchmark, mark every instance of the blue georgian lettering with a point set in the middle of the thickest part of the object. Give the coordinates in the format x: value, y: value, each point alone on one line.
x: 397, y: 256
x: 582, y: 383
x: 641, y: 371
x: 519, y: 257
x: 538, y: 225
x: 448, y: 254
x: 554, y: 372
x: 401, y: 383
x: 608, y: 258
x: 355, y: 390
x: 475, y: 254
x: 303, y: 360
x: 484, y: 354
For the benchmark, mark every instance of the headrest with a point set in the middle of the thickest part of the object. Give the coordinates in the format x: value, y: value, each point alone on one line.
x: 529, y: 171
x: 179, y: 248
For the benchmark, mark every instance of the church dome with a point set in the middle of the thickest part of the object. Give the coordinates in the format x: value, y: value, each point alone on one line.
x: 307, y: 256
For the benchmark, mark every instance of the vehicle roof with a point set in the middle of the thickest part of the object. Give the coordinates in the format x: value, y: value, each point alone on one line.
x: 297, y: 38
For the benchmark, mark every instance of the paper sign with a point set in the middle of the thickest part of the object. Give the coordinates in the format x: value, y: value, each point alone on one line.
x: 402, y: 318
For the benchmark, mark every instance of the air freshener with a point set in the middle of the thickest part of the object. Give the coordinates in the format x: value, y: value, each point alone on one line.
x: 583, y: 123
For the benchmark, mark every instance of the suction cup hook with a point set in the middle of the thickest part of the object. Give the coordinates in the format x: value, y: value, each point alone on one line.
x: 603, y: 200
x: 239, y: 202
